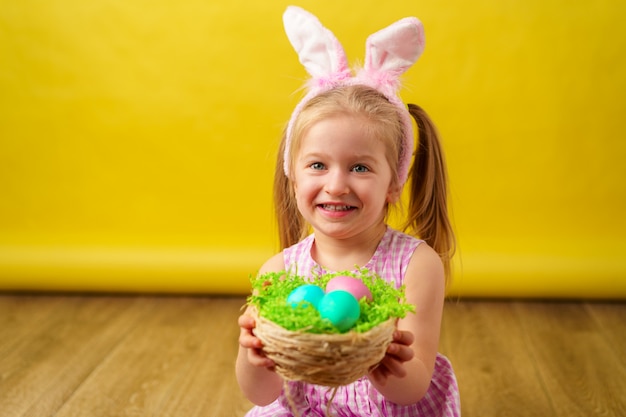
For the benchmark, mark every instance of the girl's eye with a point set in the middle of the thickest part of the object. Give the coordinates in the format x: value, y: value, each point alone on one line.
x: 317, y: 165
x: 360, y: 168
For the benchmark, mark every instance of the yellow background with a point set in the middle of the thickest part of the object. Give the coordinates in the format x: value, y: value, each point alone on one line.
x: 137, y: 139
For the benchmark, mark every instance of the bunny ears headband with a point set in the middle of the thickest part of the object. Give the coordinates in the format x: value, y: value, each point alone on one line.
x: 388, y: 54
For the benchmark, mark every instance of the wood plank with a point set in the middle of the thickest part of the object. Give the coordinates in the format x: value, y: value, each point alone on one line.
x: 578, y: 367
x: 487, y: 346
x: 21, y: 318
x: 212, y: 389
x: 72, y: 340
x: 611, y: 320
x: 179, y: 362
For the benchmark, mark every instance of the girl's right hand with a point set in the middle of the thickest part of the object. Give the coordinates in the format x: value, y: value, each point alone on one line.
x: 398, y: 352
x: 251, y: 343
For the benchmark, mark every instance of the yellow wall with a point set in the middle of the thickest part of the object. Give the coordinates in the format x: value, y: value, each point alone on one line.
x: 137, y: 139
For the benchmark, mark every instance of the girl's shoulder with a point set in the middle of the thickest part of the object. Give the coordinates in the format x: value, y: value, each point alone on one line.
x: 426, y: 268
x: 274, y: 264
x: 395, y: 235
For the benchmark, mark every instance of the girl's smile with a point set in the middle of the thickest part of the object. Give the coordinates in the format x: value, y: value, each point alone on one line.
x: 335, y: 211
x: 343, y: 181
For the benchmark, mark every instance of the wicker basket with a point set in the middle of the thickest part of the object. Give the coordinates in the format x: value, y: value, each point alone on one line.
x: 331, y: 360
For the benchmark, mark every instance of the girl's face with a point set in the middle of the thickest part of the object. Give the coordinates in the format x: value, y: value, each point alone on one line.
x: 342, y: 179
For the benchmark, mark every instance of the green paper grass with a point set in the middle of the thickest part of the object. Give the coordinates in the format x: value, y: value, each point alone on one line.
x: 270, y: 292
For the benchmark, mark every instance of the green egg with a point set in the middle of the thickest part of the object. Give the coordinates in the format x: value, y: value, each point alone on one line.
x: 340, y: 308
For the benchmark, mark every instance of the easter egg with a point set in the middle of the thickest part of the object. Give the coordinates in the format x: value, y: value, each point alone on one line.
x: 305, y: 293
x: 352, y: 285
x: 340, y: 308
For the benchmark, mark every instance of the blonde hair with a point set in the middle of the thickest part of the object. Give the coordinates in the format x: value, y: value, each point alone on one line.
x: 427, y: 212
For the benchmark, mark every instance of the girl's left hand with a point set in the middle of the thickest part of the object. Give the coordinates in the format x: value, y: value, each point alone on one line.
x: 392, y: 364
x: 251, y: 343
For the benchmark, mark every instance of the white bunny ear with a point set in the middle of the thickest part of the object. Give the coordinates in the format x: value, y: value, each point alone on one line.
x: 318, y: 49
x: 395, y: 48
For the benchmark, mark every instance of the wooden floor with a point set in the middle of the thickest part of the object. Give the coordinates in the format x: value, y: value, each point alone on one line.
x: 91, y: 356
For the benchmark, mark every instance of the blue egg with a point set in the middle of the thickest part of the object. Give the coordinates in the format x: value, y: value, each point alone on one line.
x: 306, y: 293
x: 340, y: 308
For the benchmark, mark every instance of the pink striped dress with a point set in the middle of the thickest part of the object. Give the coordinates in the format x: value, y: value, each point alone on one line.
x: 360, y: 398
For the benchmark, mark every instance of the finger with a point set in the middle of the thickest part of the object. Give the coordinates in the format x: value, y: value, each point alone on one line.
x: 401, y: 352
x: 246, y: 321
x: 403, y: 337
x: 394, y: 367
x: 257, y: 358
x: 379, y: 374
x: 249, y: 341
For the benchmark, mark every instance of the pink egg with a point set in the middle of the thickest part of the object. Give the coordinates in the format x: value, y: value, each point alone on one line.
x: 349, y: 284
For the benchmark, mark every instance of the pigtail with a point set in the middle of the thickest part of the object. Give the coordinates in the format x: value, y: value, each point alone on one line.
x: 291, y: 224
x: 428, y: 207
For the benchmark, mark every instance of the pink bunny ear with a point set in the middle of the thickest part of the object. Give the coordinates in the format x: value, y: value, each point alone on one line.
x: 320, y: 53
x: 391, y: 51
x: 318, y: 49
x: 396, y: 47
x: 388, y: 54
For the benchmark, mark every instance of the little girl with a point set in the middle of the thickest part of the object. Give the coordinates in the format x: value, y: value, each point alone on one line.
x: 343, y: 161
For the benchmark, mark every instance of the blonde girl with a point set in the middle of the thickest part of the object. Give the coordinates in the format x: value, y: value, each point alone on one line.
x: 343, y: 162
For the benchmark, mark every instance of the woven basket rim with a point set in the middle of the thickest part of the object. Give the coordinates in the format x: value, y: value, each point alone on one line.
x: 349, y: 335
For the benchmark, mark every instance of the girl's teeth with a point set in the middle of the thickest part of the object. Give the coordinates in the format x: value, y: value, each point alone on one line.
x: 336, y: 208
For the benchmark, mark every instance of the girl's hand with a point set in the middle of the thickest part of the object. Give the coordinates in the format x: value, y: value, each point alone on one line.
x: 251, y: 343
x: 392, y: 364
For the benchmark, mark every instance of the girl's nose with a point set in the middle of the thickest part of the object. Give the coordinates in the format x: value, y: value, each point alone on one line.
x: 336, y: 182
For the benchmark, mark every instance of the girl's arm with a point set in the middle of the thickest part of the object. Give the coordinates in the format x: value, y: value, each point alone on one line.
x: 255, y: 374
x: 404, y: 375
